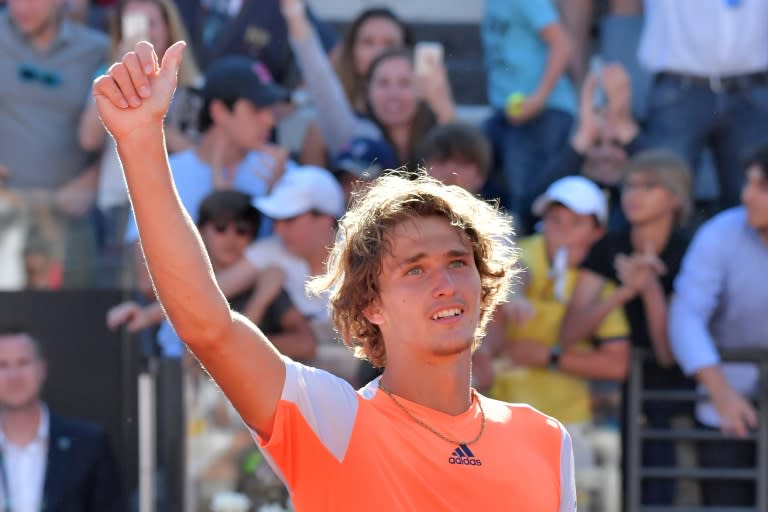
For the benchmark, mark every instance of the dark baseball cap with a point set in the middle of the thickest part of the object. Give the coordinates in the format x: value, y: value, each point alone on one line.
x: 237, y: 77
x: 365, y: 158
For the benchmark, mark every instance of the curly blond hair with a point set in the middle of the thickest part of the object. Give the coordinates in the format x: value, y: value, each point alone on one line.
x: 355, y: 261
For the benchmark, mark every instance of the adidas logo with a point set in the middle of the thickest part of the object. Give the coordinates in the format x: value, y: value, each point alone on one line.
x: 464, y: 456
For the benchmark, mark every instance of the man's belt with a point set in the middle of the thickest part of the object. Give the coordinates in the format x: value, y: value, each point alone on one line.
x: 719, y: 83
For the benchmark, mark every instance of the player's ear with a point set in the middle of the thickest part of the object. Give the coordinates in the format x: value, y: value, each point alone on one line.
x: 372, y: 312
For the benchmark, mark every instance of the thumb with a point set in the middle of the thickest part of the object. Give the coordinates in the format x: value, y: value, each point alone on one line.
x: 171, y: 61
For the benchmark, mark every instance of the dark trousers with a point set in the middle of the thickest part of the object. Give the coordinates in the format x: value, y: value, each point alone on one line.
x: 731, y: 454
x: 521, y: 150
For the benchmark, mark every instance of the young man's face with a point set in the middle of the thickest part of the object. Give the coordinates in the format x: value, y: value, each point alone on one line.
x: 307, y: 235
x: 754, y: 195
x: 22, y: 372
x: 247, y: 125
x: 645, y: 199
x: 429, y: 292
x: 457, y: 172
x: 226, y: 241
x: 564, y: 228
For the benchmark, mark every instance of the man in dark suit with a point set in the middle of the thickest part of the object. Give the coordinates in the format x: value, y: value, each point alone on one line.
x: 47, y: 463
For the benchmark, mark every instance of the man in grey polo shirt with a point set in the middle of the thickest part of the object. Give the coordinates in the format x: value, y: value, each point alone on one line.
x: 47, y: 65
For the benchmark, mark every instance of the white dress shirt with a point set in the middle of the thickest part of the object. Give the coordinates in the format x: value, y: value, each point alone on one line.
x: 24, y: 469
x: 705, y: 37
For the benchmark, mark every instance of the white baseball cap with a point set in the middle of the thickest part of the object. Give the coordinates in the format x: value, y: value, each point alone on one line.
x: 577, y: 194
x: 303, y: 189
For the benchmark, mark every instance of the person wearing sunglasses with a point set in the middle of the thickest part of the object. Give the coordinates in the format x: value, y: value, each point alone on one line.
x: 228, y: 224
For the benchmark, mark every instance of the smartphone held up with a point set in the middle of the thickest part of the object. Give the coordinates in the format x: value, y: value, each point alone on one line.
x: 428, y: 57
x: 135, y: 26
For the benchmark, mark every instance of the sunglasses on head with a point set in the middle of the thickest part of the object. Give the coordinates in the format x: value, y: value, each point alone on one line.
x: 28, y: 73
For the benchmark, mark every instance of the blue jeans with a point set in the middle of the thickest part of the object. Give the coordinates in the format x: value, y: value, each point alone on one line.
x: 686, y: 117
x: 520, y: 152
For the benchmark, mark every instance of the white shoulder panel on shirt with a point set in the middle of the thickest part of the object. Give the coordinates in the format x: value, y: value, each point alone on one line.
x: 328, y: 403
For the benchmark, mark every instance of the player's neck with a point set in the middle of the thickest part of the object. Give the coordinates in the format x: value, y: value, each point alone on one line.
x: 20, y: 424
x: 444, y: 388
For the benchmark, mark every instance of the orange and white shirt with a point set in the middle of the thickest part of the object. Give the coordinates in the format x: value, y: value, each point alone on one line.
x: 337, y: 449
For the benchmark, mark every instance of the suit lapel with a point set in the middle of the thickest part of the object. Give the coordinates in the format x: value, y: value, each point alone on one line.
x: 55, y: 470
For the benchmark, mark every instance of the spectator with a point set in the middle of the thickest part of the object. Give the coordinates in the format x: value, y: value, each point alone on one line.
x: 49, y: 462
x: 642, y: 263
x: 402, y: 105
x: 533, y: 367
x: 373, y: 31
x: 228, y: 223
x: 248, y: 29
x: 415, y: 275
x: 163, y: 26
x: 526, y: 54
x: 711, y: 74
x: 719, y: 303
x: 605, y: 136
x: 457, y: 154
x: 360, y: 161
x: 48, y: 63
x: 236, y: 120
x: 305, y: 207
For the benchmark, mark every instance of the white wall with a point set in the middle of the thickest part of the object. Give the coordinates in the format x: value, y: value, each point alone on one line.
x: 464, y: 11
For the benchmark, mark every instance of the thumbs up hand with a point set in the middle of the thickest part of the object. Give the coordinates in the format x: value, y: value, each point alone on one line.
x: 135, y: 92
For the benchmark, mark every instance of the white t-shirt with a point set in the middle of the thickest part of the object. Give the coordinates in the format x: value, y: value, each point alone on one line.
x: 705, y: 37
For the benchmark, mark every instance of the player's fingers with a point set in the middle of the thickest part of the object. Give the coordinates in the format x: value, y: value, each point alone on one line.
x: 122, y: 78
x: 137, y: 74
x: 147, y: 57
x: 172, y: 57
x: 105, y: 86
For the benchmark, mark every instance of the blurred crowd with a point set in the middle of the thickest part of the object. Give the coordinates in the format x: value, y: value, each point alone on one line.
x: 628, y: 140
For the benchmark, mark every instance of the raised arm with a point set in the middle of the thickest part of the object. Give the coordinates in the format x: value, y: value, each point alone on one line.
x: 336, y: 118
x: 240, y: 359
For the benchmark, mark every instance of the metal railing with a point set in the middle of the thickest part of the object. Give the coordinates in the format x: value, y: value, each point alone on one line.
x: 637, y: 433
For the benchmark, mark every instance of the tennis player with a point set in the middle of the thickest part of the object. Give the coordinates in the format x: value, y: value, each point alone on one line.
x: 414, y: 277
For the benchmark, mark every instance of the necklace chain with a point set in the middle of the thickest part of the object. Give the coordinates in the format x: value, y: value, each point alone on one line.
x: 433, y: 430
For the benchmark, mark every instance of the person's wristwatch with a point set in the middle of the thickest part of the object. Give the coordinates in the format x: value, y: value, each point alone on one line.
x: 554, y: 358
